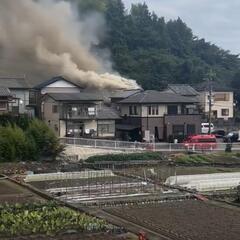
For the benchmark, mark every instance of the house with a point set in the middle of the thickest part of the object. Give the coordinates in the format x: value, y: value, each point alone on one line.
x: 19, y: 89
x: 5, y: 100
x: 222, y: 101
x: 158, y: 115
x: 78, y: 115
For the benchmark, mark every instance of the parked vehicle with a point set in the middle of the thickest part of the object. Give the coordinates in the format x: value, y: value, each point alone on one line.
x: 219, y: 133
x: 205, y: 128
x: 231, y: 137
x: 201, y: 142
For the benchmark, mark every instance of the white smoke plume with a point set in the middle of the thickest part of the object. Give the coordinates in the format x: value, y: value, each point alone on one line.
x: 46, y: 38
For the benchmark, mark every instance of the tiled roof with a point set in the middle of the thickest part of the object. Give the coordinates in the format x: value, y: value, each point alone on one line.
x: 183, y: 89
x: 152, y: 96
x: 124, y: 94
x: 5, y: 92
x: 107, y: 113
x: 82, y: 96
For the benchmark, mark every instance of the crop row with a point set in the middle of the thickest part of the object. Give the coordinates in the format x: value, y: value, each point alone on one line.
x: 18, y: 220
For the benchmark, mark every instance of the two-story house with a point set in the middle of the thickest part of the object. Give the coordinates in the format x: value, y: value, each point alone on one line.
x: 159, y: 115
x: 19, y: 89
x: 6, y: 99
x: 79, y: 115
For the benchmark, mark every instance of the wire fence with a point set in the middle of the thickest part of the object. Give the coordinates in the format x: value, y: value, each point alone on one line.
x: 139, y: 146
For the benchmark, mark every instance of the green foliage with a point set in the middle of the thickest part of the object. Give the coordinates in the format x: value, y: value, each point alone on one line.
x: 154, y: 52
x: 193, y: 159
x: 48, y: 219
x: 37, y: 141
x: 21, y: 121
x: 126, y: 157
x: 46, y: 142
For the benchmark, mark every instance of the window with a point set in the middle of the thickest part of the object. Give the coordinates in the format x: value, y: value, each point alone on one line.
x: 191, y: 129
x: 178, y: 130
x: 221, y: 97
x: 106, y: 128
x: 153, y: 110
x: 55, y: 109
x: 133, y: 110
x: 172, y: 110
x: 225, y: 112
x: 3, y: 105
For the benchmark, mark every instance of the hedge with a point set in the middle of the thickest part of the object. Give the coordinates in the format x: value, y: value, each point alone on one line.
x: 126, y: 157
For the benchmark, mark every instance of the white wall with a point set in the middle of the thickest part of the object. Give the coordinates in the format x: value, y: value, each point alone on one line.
x: 219, y: 105
x: 60, y: 86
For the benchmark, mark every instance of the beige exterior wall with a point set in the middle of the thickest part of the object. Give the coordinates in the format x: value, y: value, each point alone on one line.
x: 142, y: 110
x: 219, y: 105
x: 52, y: 119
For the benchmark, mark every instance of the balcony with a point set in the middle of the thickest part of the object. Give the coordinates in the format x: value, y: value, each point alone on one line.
x: 78, y: 112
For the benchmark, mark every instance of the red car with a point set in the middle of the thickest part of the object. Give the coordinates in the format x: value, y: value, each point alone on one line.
x: 201, y: 142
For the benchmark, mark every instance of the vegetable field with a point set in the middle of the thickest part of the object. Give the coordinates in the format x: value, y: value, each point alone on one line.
x: 48, y: 219
x: 185, y: 220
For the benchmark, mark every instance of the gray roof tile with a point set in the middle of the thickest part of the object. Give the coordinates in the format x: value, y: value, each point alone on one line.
x: 183, y: 89
x: 82, y: 96
x: 107, y: 113
x: 5, y: 92
x: 152, y: 96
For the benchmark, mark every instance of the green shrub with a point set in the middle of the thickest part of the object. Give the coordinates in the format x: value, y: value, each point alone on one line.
x: 35, y: 142
x: 47, y: 143
x: 126, y: 157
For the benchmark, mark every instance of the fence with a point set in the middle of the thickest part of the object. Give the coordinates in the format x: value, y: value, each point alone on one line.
x: 138, y: 146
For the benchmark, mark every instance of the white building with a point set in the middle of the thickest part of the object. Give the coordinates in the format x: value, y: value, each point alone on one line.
x: 222, y: 104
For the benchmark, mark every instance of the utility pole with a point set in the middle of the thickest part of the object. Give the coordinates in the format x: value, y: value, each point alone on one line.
x: 210, y: 95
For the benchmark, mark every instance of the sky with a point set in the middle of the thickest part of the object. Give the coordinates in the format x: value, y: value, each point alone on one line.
x: 215, y: 20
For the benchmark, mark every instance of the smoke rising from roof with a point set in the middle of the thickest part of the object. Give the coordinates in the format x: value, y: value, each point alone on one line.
x: 46, y: 38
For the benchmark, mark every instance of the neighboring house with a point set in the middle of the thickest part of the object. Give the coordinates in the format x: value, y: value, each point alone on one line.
x: 222, y: 101
x: 119, y: 95
x: 19, y: 89
x: 6, y: 99
x: 79, y: 115
x: 54, y: 85
x: 159, y: 115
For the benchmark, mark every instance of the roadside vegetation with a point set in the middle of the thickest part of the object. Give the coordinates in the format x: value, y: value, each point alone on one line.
x: 47, y: 219
x: 231, y: 158
x: 126, y: 157
x: 27, y: 140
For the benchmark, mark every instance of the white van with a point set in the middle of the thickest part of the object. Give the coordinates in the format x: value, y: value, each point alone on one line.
x: 205, y: 128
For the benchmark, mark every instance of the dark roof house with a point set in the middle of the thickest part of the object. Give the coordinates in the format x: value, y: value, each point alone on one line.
x: 83, y: 96
x: 152, y: 96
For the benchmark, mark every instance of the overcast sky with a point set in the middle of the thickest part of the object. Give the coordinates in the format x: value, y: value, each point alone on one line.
x: 215, y: 20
